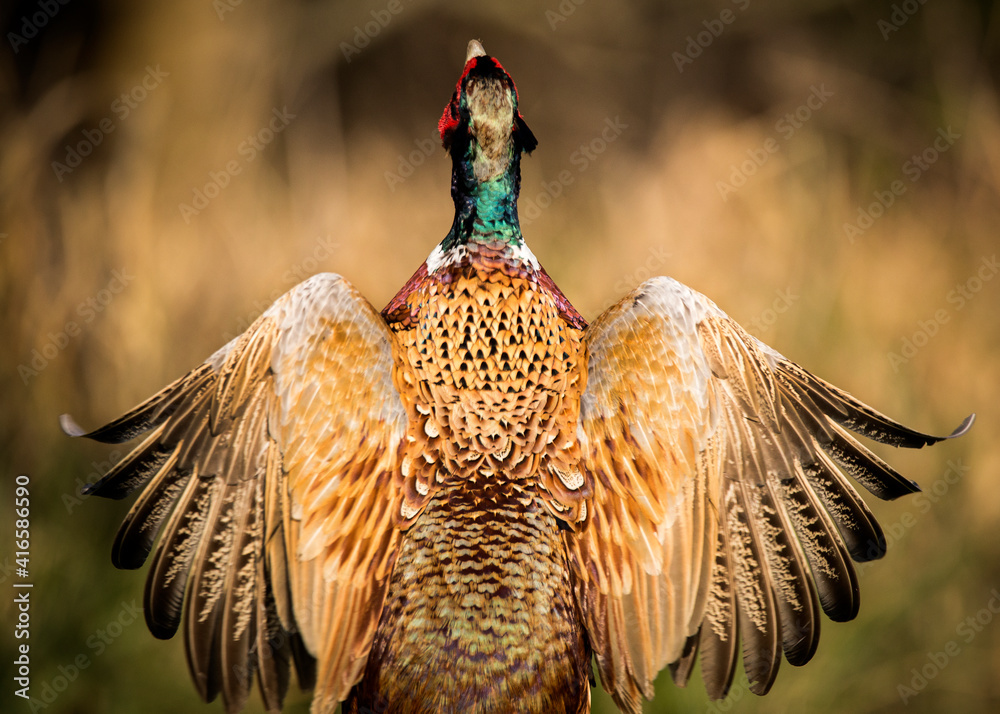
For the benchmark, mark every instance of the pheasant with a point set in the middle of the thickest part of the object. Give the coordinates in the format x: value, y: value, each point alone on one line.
x: 459, y: 503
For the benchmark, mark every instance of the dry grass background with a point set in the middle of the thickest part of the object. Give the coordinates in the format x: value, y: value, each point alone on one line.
x: 317, y: 198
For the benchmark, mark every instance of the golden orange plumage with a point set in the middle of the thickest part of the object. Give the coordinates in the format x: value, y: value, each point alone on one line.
x: 454, y: 504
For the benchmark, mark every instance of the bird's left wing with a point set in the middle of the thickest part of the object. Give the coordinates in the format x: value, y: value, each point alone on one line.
x: 271, y: 477
x: 719, y: 509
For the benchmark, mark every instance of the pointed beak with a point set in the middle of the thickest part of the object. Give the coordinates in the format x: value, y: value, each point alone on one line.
x: 475, y: 50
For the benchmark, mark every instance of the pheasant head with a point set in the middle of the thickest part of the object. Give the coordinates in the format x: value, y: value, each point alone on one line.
x: 482, y: 121
x: 484, y: 132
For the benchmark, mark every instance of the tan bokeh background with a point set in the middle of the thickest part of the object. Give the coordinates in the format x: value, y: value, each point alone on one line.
x: 353, y: 183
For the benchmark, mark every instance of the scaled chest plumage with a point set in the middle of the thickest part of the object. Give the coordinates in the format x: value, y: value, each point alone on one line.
x: 480, y: 613
x: 490, y: 363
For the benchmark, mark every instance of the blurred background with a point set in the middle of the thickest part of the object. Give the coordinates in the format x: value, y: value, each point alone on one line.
x: 827, y: 171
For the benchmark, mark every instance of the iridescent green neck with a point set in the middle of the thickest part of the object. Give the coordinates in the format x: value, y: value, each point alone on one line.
x: 485, y: 211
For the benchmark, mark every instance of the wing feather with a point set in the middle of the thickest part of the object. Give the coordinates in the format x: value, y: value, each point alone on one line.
x: 271, y: 477
x: 720, y: 509
x: 168, y: 573
x: 138, y: 532
x: 719, y: 638
x: 753, y: 584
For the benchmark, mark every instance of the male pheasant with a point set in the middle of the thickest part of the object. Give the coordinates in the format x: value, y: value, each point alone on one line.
x: 454, y: 504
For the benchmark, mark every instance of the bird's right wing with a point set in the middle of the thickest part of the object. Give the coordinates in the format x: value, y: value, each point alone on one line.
x: 271, y: 476
x: 719, y: 506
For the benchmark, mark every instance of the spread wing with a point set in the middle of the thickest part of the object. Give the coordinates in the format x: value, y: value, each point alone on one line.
x: 720, y: 506
x: 271, y: 488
